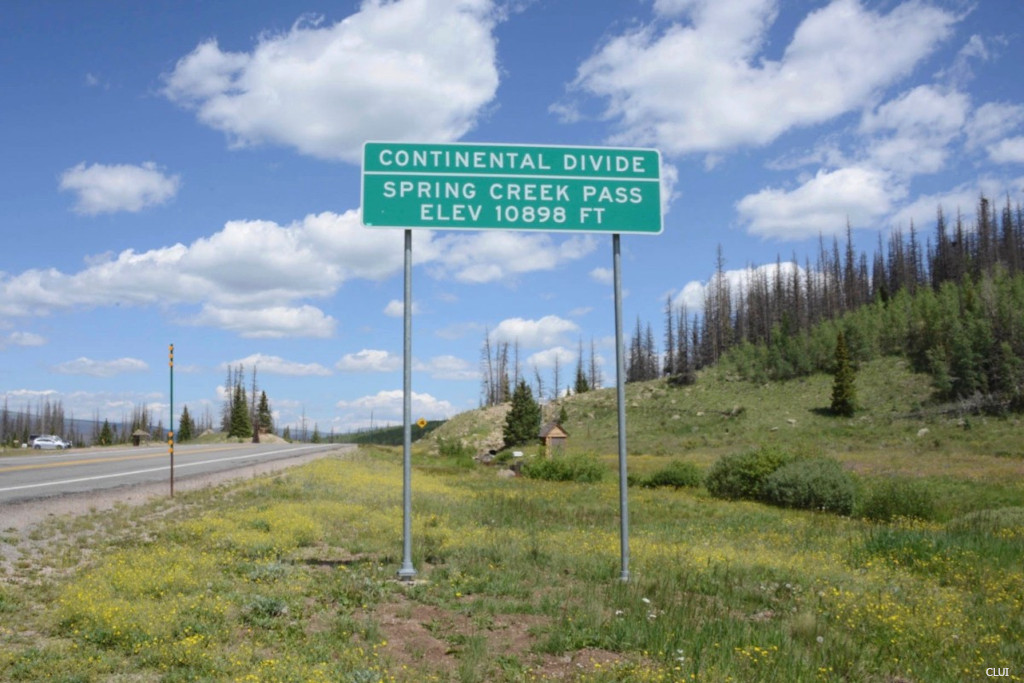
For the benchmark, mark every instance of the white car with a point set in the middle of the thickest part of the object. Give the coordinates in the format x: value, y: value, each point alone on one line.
x: 49, y: 442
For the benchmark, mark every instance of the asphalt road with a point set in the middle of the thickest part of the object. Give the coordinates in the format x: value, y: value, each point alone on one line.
x: 55, y: 473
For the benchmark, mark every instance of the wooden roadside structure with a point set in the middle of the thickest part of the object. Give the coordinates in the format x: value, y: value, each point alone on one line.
x: 553, y: 438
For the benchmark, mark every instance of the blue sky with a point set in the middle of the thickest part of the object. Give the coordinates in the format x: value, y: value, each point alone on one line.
x: 189, y: 173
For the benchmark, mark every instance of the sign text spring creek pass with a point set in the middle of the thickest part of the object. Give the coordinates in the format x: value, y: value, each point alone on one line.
x: 511, y: 187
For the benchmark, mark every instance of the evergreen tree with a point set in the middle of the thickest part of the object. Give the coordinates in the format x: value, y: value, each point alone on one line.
x: 843, y: 393
x: 287, y: 434
x: 634, y: 360
x: 264, y: 417
x: 186, y: 428
x: 316, y: 434
x: 652, y: 367
x: 106, y: 434
x: 241, y: 426
x: 254, y: 418
x: 581, y: 385
x: 523, y: 422
x: 594, y: 378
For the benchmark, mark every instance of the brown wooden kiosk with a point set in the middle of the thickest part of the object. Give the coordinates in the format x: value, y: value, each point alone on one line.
x: 553, y: 438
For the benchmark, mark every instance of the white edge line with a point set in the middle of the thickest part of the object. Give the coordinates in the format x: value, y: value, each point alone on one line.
x: 152, y: 469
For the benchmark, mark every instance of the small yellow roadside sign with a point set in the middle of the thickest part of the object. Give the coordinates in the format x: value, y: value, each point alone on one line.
x: 421, y: 423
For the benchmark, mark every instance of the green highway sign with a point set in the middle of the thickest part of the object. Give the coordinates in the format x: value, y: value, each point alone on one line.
x: 511, y: 187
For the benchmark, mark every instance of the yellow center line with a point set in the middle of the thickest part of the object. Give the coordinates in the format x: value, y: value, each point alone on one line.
x: 95, y: 461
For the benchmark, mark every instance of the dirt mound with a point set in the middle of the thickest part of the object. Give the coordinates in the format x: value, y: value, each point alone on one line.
x: 479, y: 429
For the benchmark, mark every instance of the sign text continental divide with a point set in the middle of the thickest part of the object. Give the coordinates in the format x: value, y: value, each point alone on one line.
x: 511, y: 187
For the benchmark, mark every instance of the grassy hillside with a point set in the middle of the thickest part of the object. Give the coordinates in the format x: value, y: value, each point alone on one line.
x: 897, y: 430
x: 721, y: 413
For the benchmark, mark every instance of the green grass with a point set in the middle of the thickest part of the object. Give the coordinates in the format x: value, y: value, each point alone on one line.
x: 721, y: 412
x: 292, y: 577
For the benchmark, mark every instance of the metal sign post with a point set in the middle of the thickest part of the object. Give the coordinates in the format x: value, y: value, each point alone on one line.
x: 620, y: 394
x: 407, y: 572
x: 170, y: 432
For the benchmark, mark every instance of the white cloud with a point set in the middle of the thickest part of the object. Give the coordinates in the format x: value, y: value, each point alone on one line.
x: 605, y: 276
x: 276, y: 365
x: 992, y: 122
x: 917, y: 132
x: 691, y: 296
x: 448, y: 367
x: 369, y: 360
x: 458, y: 330
x: 268, y: 323
x: 396, y: 309
x: 962, y: 198
x: 251, y: 277
x: 822, y: 204
x: 738, y: 281
x: 188, y: 368
x: 669, y: 177
x: 703, y: 84
x: 548, y: 331
x: 924, y: 107
x: 500, y: 254
x: 247, y: 264
x: 377, y: 360
x: 961, y: 71
x: 19, y: 338
x: 30, y: 394
x: 101, y: 368
x: 387, y: 405
x: 1008, y: 151
x: 546, y: 359
x: 408, y: 70
x: 912, y: 133
x: 122, y: 187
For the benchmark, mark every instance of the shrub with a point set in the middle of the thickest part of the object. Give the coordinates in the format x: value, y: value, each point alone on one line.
x: 581, y: 468
x: 453, y: 448
x: 676, y: 474
x: 897, y: 497
x: 742, y: 475
x: 811, y: 484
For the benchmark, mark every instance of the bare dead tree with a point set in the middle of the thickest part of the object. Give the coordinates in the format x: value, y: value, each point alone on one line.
x: 594, y: 378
